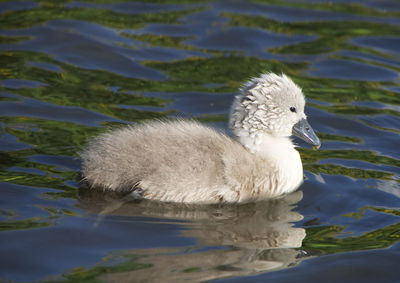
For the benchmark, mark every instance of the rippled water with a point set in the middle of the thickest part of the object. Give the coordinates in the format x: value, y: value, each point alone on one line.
x: 71, y: 70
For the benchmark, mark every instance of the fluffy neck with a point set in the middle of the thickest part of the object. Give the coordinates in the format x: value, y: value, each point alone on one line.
x: 280, y: 154
x: 266, y: 145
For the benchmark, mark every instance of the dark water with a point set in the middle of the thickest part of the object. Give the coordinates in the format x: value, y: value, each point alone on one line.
x: 71, y: 70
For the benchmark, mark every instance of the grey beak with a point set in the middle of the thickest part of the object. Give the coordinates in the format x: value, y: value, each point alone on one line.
x: 304, y: 131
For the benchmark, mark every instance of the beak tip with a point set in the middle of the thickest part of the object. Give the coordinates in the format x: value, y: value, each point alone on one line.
x: 316, y: 146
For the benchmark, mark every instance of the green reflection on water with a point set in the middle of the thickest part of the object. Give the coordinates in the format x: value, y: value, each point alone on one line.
x: 92, y: 87
x: 357, y: 110
x: 323, y: 239
x: 385, y: 210
x: 161, y: 40
x: 4, y: 39
x: 360, y: 214
x: 213, y: 118
x: 332, y: 36
x: 38, y: 181
x: 176, y: 42
x: 32, y: 17
x: 333, y: 169
x: 47, y: 136
x: 81, y: 274
x: 230, y: 70
x: 54, y: 214
x: 78, y: 87
x: 363, y: 155
x: 30, y: 223
x: 336, y: 91
x: 51, y: 3
x: 337, y: 30
x: 348, y: 8
x: 311, y: 157
x: 330, y: 137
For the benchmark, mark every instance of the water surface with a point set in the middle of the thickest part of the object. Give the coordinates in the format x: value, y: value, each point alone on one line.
x: 71, y: 70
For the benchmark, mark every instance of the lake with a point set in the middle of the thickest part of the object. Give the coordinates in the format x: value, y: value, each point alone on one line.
x: 70, y: 70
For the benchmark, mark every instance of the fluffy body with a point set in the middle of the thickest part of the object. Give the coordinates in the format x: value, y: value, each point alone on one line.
x: 185, y: 161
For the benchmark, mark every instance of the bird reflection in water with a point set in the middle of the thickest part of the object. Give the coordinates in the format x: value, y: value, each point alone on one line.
x: 232, y: 240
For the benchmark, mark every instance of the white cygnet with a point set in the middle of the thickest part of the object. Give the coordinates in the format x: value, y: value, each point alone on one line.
x: 185, y: 161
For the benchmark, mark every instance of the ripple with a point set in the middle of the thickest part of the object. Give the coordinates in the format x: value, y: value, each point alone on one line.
x: 351, y: 70
x: 385, y: 44
x: 39, y: 109
x: 16, y: 83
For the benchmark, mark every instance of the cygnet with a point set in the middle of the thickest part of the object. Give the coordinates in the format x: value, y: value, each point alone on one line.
x: 188, y: 162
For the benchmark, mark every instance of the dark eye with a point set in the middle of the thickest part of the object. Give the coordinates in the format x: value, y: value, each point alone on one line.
x: 293, y: 109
